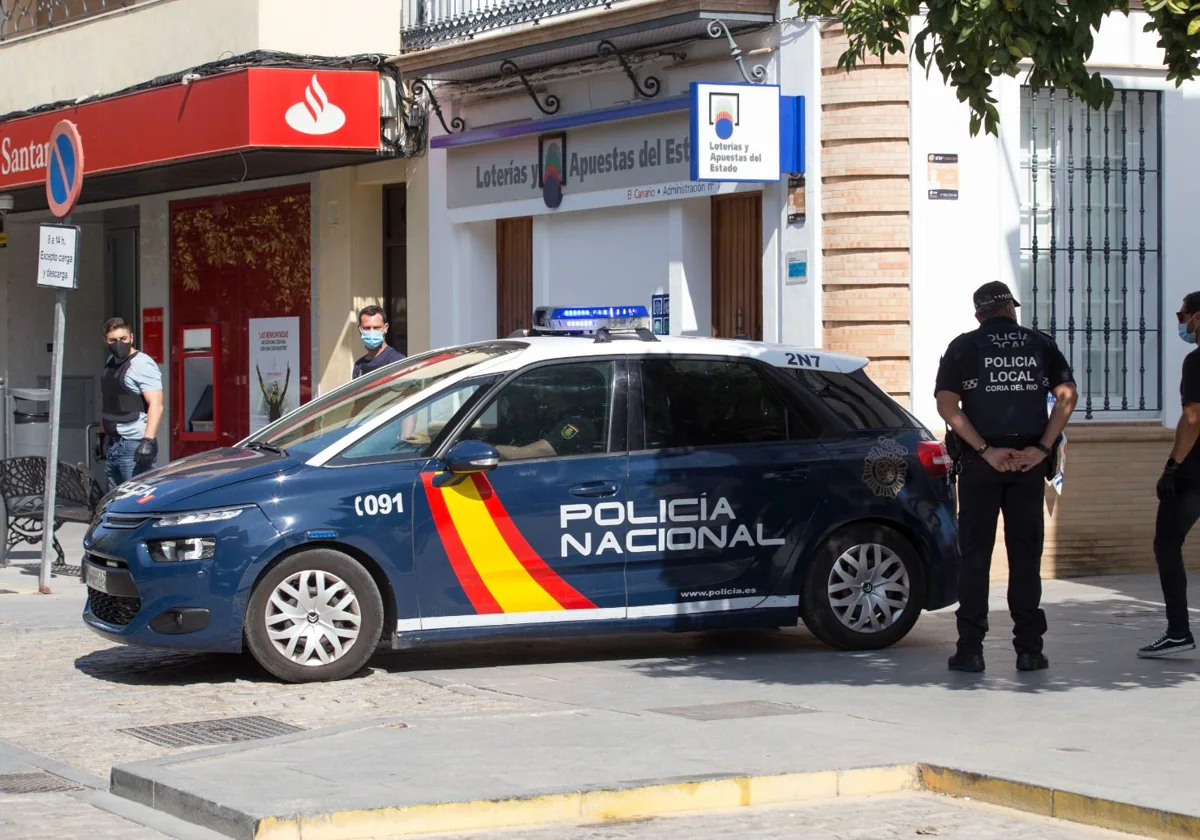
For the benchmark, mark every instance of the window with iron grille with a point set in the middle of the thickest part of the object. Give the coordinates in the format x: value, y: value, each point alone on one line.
x: 1091, y: 259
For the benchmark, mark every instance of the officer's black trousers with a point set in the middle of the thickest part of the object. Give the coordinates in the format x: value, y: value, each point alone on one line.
x: 1175, y: 518
x: 982, y: 494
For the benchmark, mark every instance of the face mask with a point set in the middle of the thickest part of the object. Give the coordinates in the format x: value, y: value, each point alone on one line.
x: 371, y: 339
x: 119, y: 349
x: 1185, y: 334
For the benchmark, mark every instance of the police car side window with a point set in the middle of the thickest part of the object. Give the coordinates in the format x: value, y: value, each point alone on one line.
x: 708, y: 402
x: 551, y: 411
x: 412, y: 434
x: 855, y: 399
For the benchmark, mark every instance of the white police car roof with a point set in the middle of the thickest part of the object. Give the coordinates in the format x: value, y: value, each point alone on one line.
x: 548, y: 347
x: 544, y: 348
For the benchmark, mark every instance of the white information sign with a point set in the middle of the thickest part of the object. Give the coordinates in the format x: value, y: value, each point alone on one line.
x: 58, y: 256
x: 735, y: 132
x: 274, y: 369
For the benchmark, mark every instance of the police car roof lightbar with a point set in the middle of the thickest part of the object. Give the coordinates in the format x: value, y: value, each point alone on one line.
x: 603, y: 323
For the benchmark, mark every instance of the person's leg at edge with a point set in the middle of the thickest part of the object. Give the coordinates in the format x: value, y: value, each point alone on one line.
x: 979, y: 497
x: 1175, y: 520
x: 1024, y: 535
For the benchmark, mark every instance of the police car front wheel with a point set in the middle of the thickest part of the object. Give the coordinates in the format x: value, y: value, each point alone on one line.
x: 864, y: 590
x: 316, y: 616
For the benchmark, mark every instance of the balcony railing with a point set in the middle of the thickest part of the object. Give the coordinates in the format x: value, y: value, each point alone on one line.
x: 428, y: 23
x: 19, y: 17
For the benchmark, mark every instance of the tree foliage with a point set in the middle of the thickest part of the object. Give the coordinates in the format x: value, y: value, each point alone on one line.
x: 973, y: 41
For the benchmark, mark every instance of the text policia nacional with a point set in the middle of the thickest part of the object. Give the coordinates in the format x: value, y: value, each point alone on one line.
x: 653, y: 153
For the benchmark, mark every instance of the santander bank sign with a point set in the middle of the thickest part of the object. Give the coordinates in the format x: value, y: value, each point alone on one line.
x: 18, y: 159
x: 256, y: 108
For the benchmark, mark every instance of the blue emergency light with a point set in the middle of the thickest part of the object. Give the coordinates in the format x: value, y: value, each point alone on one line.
x: 588, y: 320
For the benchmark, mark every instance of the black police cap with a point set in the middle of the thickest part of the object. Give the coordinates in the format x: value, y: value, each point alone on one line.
x: 992, y: 294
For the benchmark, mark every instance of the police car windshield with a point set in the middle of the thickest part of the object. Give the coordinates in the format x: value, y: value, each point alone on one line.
x: 322, y: 422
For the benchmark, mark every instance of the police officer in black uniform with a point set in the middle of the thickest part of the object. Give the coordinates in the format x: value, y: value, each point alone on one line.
x: 992, y: 388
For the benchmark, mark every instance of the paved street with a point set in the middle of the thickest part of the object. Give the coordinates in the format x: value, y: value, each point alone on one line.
x: 757, y: 702
x: 874, y: 818
x: 60, y: 817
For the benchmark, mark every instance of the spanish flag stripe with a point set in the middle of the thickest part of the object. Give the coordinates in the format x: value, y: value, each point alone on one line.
x: 511, y: 585
x: 559, y: 589
x: 468, y: 578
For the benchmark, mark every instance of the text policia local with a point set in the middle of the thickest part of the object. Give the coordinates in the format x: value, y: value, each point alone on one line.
x: 653, y: 153
x: 683, y: 524
x: 1010, y: 373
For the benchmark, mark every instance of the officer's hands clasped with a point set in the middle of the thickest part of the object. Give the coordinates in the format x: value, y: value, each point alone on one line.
x: 1013, y: 460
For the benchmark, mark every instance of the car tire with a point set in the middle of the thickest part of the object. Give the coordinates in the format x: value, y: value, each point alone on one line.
x: 321, y: 605
x: 854, y: 586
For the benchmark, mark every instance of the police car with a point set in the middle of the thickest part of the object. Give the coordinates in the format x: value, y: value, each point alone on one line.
x: 581, y: 477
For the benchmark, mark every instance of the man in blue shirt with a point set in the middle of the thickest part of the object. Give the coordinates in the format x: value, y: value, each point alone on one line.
x: 373, y: 328
x: 131, y: 388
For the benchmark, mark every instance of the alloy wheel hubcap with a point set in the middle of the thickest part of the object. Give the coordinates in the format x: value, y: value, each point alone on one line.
x: 313, y: 618
x: 868, y: 588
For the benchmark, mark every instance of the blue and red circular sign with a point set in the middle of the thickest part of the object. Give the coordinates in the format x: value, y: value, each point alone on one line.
x: 64, y: 168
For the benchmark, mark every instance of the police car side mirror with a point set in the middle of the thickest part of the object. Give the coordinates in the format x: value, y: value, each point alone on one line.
x: 472, y: 456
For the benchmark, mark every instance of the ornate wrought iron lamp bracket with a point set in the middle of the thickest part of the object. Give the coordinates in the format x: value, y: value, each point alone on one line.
x: 420, y: 86
x: 607, y: 49
x: 757, y: 74
x: 509, y: 69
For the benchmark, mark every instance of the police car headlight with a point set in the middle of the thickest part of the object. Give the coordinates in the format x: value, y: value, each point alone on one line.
x: 182, y: 550
x: 199, y: 517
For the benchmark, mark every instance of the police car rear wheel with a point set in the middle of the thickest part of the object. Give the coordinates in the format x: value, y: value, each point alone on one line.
x: 864, y: 590
x: 315, y: 617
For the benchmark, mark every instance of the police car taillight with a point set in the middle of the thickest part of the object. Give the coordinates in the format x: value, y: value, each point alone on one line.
x: 935, y: 460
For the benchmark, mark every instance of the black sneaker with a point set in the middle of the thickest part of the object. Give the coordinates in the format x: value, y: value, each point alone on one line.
x: 1167, y: 644
x: 971, y: 663
x: 1032, y: 662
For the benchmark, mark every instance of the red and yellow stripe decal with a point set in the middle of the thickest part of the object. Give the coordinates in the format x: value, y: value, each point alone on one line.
x: 496, y: 567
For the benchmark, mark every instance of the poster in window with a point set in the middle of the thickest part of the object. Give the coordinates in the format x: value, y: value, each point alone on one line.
x: 151, y: 342
x: 274, y: 369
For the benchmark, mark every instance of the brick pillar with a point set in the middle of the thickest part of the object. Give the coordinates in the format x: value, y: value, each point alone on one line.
x: 865, y: 211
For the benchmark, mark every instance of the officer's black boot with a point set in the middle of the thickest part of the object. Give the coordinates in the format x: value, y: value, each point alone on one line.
x: 1032, y: 662
x: 971, y: 663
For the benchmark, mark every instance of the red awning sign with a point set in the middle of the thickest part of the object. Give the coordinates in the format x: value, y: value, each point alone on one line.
x: 64, y: 168
x: 256, y: 108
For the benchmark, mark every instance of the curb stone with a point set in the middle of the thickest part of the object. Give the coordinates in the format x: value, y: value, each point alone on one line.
x: 644, y: 799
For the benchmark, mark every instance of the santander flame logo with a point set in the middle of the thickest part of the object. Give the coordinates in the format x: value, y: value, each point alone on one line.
x: 316, y: 114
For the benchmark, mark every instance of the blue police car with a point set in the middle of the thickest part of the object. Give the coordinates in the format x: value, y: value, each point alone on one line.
x: 595, y: 478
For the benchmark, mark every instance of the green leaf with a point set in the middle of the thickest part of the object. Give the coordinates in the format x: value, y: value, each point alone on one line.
x: 1193, y: 27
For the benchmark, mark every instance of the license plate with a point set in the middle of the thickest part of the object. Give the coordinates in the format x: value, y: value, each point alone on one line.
x: 96, y: 578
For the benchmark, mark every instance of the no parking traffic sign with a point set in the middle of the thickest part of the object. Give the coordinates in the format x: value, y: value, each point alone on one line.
x: 64, y: 168
x: 58, y: 254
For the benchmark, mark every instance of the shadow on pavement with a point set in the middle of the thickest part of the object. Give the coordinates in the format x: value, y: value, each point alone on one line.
x: 1091, y: 645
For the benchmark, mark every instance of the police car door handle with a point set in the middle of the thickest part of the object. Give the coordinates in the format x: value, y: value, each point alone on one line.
x: 595, y: 489
x: 798, y: 472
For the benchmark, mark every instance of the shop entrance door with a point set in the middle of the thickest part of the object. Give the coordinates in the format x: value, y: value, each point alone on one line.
x: 241, y: 291
x: 737, y: 254
x: 514, y: 275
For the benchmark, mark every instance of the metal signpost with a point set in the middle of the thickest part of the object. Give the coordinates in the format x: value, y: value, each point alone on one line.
x: 58, y: 261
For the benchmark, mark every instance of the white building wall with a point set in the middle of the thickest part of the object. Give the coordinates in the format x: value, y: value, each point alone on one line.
x: 112, y: 51
x: 959, y: 245
x: 590, y: 252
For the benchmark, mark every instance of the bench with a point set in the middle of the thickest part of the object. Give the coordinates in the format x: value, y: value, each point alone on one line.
x: 22, y: 492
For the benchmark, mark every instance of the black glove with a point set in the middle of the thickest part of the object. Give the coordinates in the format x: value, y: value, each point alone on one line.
x: 145, y: 453
x: 1168, y: 484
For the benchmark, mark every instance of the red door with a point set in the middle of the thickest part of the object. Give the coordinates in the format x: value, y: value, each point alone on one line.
x: 234, y: 258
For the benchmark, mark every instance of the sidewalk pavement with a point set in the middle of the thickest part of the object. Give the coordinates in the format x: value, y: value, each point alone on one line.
x: 23, y: 612
x: 624, y: 711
